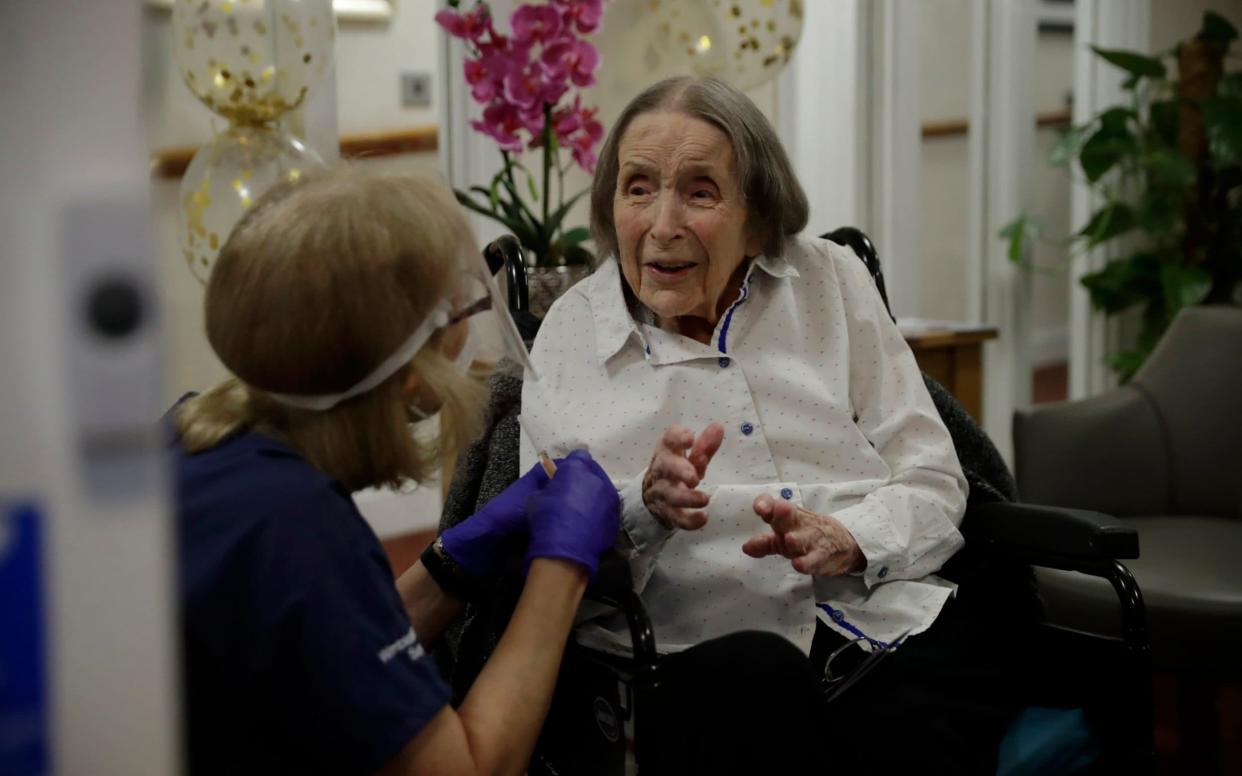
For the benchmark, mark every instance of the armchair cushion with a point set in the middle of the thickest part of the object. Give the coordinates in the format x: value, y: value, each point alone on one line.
x: 1191, y: 584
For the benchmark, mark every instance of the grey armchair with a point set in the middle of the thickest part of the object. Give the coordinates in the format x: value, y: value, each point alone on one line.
x: 1164, y: 453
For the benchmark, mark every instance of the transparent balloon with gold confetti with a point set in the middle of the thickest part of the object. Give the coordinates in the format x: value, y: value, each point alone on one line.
x: 758, y: 38
x: 744, y: 42
x: 661, y: 38
x: 223, y: 181
x: 251, y: 61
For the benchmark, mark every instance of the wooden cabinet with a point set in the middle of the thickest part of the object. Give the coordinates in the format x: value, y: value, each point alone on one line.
x: 953, y: 356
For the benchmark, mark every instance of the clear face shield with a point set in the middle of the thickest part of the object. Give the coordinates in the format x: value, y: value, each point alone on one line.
x: 478, y: 318
x: 479, y: 336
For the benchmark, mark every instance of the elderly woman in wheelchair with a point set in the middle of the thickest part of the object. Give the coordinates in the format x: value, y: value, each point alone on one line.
x: 803, y: 483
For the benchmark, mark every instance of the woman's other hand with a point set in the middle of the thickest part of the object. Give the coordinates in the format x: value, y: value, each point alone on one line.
x: 677, y: 467
x: 576, y: 516
x: 817, y: 544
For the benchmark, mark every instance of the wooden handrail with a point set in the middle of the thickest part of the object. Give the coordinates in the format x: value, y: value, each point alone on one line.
x: 171, y: 162
x: 952, y: 127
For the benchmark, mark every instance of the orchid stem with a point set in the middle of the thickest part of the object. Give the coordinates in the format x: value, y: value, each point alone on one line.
x: 547, y: 167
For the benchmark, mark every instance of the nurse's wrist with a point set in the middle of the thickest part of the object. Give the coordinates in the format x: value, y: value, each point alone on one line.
x: 448, y: 573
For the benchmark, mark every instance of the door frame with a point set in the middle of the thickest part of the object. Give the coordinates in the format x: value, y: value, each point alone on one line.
x: 1002, y: 138
x: 1094, y: 337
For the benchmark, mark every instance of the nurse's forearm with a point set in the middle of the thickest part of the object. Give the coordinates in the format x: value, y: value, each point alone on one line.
x: 505, y: 708
x: 429, y: 608
x: 494, y: 730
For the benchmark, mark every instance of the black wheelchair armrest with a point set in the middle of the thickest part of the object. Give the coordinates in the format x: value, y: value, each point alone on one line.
x: 614, y: 585
x: 1057, y: 537
x: 1070, y: 539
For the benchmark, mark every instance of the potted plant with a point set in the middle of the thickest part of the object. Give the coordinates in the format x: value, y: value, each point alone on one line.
x: 1167, y: 166
x: 528, y: 82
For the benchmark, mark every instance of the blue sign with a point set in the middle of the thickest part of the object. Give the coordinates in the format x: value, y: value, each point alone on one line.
x: 24, y: 739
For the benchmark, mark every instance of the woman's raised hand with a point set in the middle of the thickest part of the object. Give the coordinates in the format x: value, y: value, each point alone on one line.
x: 817, y: 544
x: 677, y: 467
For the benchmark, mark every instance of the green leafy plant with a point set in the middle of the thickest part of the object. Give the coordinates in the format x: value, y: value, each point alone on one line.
x: 1167, y: 167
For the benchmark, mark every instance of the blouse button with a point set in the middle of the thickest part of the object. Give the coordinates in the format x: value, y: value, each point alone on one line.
x: 838, y: 615
x: 748, y: 428
x: 724, y: 362
x: 787, y: 493
x: 883, y: 572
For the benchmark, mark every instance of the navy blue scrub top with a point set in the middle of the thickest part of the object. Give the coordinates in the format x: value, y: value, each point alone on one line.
x: 298, y: 655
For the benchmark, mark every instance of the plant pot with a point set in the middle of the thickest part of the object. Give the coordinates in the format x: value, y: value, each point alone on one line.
x: 548, y: 283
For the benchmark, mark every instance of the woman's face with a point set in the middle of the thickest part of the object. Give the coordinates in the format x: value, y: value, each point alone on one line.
x: 680, y: 216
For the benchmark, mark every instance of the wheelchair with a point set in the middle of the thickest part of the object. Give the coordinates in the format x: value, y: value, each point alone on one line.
x: 1090, y: 696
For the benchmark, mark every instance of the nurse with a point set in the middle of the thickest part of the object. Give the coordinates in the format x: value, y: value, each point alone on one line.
x: 346, y: 306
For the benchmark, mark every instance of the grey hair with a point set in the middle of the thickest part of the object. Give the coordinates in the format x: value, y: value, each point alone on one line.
x: 776, y: 206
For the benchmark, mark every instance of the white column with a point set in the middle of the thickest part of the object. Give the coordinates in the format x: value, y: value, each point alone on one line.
x: 822, y: 114
x: 1097, y: 84
x: 1003, y: 112
x: 894, y: 142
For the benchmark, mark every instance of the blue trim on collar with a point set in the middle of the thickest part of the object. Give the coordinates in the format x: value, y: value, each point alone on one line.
x: 724, y: 327
x: 613, y: 323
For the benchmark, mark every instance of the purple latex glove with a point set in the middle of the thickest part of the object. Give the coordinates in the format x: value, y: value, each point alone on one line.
x: 576, y: 516
x: 476, y: 542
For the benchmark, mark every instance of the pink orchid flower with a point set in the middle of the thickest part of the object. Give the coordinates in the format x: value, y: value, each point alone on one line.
x: 523, y: 89
x: 521, y: 78
x: 479, y: 77
x: 535, y: 24
x: 500, y: 122
x: 583, y: 155
x: 585, y: 15
x: 555, y: 84
x: 566, y: 122
x: 578, y: 130
x: 575, y: 57
x: 468, y: 26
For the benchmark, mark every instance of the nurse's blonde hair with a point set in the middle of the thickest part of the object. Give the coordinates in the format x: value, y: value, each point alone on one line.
x: 321, y: 281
